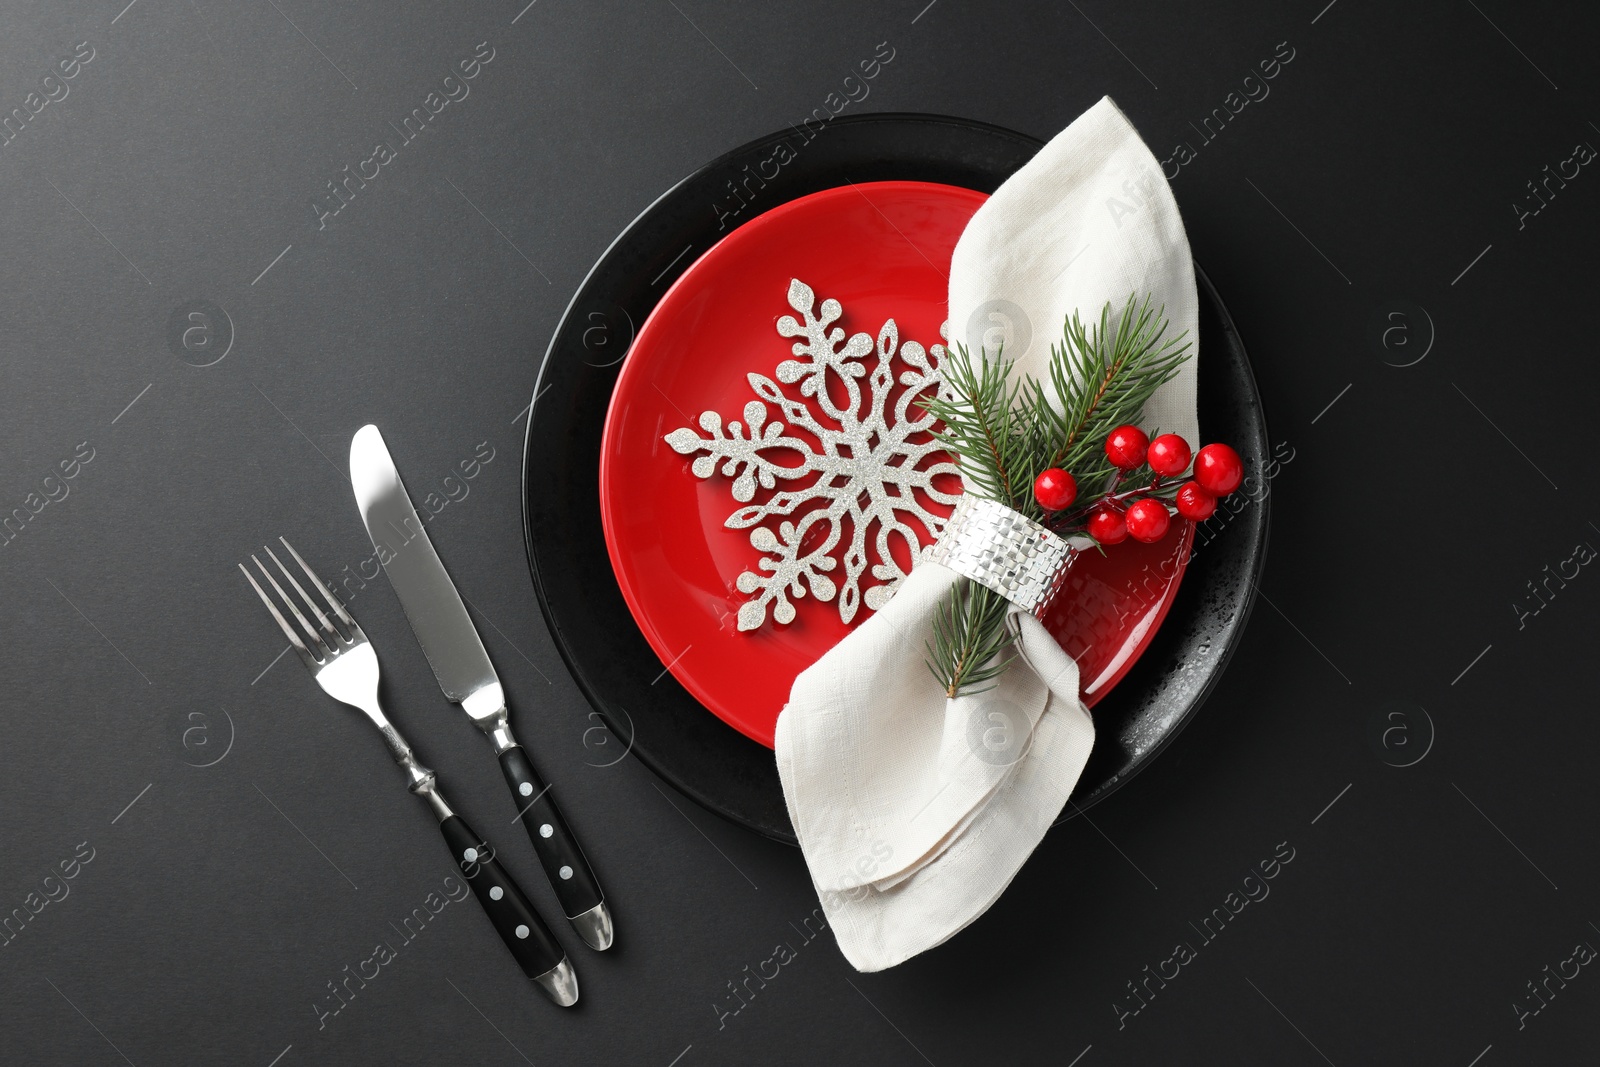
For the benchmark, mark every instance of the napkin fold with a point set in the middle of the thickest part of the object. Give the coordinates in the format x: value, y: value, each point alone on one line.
x: 914, y: 811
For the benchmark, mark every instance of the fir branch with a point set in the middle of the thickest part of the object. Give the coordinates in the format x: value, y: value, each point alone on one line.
x: 969, y: 636
x: 980, y: 413
x: 1104, y: 380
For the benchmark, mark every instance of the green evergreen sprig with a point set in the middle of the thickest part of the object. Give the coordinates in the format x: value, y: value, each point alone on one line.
x: 1007, y: 432
x: 969, y: 636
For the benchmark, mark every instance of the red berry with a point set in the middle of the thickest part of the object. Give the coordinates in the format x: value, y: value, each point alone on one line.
x: 1055, y: 489
x: 1147, y: 520
x: 1218, y: 469
x: 1193, y: 502
x: 1125, y: 447
x: 1106, y: 525
x: 1169, y: 455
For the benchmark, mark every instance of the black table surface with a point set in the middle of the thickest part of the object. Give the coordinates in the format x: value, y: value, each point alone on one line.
x: 198, y: 847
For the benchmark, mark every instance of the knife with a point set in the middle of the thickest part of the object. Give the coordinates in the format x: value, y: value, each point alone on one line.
x: 461, y: 665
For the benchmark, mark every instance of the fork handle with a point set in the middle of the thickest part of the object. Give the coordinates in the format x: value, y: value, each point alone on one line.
x: 519, y: 926
x: 559, y: 853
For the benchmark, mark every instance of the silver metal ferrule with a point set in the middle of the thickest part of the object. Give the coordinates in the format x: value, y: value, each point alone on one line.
x: 429, y: 791
x: 487, y: 707
x: 1006, y: 551
x: 419, y: 779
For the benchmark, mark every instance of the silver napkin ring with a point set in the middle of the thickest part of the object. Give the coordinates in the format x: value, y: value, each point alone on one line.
x: 1006, y: 551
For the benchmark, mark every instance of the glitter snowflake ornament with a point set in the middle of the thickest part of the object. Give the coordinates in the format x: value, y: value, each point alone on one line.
x: 867, y: 470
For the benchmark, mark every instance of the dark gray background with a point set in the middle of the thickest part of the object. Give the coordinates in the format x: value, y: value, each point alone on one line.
x: 1379, y: 175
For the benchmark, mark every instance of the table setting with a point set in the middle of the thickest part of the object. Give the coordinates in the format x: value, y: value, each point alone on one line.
x: 840, y: 501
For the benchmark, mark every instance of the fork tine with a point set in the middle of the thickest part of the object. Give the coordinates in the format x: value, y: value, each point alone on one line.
x: 283, y: 624
x: 319, y: 649
x: 329, y: 633
x: 327, y: 594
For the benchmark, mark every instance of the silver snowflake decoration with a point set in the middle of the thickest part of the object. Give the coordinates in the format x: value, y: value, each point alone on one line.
x: 865, y: 470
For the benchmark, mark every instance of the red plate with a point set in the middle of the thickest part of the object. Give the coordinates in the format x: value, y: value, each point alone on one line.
x: 883, y: 251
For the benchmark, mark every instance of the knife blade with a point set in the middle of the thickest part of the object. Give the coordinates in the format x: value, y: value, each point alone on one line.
x: 462, y: 668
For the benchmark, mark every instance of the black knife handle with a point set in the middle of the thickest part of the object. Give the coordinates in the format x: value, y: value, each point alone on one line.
x: 519, y: 926
x: 563, y: 861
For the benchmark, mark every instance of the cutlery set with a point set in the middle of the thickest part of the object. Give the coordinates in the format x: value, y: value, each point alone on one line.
x: 344, y: 664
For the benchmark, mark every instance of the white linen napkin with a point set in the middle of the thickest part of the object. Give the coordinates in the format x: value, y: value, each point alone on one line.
x: 915, y: 811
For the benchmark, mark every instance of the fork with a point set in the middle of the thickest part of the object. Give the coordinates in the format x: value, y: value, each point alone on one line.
x: 346, y: 667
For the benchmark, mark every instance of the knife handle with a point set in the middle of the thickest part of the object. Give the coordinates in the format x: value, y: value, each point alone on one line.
x: 563, y: 861
x: 519, y: 926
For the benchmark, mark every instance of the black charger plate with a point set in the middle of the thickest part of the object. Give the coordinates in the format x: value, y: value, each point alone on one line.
x: 642, y: 704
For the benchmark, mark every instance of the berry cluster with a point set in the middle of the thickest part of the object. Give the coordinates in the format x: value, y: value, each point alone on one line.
x: 1142, y: 513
